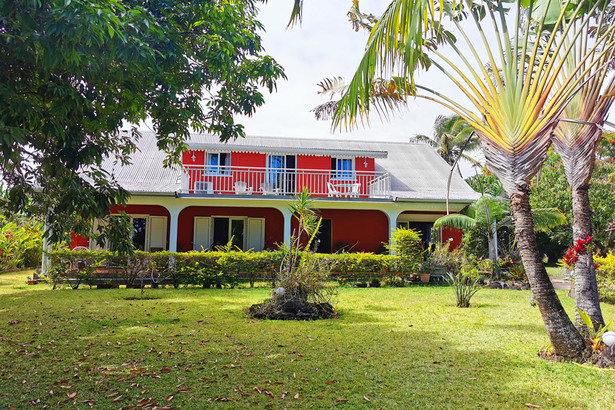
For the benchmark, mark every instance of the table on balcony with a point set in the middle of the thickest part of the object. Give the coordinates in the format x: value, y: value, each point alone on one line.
x: 348, y: 189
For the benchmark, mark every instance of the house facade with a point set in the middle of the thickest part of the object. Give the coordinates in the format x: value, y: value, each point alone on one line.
x: 242, y: 191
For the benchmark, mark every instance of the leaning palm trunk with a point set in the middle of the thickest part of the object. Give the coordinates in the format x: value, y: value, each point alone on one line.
x: 564, y: 336
x: 575, y: 139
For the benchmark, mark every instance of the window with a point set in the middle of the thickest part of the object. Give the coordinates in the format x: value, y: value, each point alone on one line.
x: 342, y: 168
x: 246, y: 233
x: 218, y: 163
x: 149, y: 233
x: 280, y: 173
x: 139, y: 226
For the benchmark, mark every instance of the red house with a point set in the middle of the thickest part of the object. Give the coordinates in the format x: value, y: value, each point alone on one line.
x: 242, y: 190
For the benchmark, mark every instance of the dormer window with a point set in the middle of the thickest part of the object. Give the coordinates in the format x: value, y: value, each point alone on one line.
x: 342, y: 169
x: 218, y: 163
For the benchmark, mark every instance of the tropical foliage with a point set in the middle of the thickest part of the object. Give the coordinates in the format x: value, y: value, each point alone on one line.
x: 575, y: 138
x: 21, y: 242
x: 553, y: 190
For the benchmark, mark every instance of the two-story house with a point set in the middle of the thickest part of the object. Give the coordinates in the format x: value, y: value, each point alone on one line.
x: 242, y: 190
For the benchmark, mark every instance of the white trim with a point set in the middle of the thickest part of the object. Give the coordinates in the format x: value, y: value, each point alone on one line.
x: 94, y: 246
x: 222, y: 169
x: 314, y: 152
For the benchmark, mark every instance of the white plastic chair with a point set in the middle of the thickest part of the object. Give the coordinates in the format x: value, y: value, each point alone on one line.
x: 354, y: 190
x: 241, y: 188
x: 333, y: 191
x: 268, y: 189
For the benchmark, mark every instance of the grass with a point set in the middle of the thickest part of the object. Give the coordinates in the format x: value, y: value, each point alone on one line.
x: 390, y: 348
x: 555, y: 271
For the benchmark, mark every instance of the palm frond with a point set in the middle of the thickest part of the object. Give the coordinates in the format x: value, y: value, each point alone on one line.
x: 580, y: 128
x: 424, y: 139
x: 332, y: 86
x: 457, y: 221
x: 296, y: 14
x: 325, y: 110
x: 545, y: 219
x: 396, y: 47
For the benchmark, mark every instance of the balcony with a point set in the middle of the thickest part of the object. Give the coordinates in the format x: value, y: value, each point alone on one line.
x: 232, y: 180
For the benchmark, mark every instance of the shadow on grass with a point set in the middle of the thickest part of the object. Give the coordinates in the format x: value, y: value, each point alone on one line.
x: 361, y: 354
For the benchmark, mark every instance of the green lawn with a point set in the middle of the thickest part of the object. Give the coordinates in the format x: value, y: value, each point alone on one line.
x: 391, y: 348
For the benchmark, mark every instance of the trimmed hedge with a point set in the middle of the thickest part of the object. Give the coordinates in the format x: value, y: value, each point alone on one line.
x: 209, y: 269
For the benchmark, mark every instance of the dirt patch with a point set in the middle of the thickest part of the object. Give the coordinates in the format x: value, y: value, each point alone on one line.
x: 292, y: 310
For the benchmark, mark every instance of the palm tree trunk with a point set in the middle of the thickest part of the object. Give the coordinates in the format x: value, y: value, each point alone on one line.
x: 586, y: 287
x: 565, y: 338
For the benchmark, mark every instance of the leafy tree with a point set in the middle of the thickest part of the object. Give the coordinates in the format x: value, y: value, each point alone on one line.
x: 552, y: 190
x: 74, y: 73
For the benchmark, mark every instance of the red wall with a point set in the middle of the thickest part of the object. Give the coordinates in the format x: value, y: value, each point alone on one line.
x: 315, y: 183
x: 155, y: 210
x: 76, y: 240
x: 454, y: 234
x: 199, y: 158
x: 247, y: 159
x: 274, y: 223
x: 365, y: 231
x: 359, y: 165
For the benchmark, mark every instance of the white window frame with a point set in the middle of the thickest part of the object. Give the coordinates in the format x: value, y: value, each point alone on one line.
x: 220, y: 169
x: 345, y: 174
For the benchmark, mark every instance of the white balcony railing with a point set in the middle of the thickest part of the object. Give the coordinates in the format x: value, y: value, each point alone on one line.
x: 231, y: 180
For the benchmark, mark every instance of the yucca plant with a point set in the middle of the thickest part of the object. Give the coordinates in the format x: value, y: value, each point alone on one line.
x: 514, y: 90
x: 575, y: 139
x: 465, y: 286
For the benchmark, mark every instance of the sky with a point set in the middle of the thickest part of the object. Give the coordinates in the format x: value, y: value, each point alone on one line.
x: 323, y: 46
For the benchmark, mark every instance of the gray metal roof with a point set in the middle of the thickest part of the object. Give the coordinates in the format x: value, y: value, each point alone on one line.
x: 146, y: 173
x: 417, y: 171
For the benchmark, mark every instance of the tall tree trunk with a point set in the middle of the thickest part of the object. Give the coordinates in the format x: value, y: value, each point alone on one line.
x: 564, y: 336
x: 586, y: 287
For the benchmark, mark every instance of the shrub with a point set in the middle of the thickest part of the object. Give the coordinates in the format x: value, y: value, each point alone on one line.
x: 407, y: 246
x: 605, y: 276
x: 466, y: 284
x: 21, y: 243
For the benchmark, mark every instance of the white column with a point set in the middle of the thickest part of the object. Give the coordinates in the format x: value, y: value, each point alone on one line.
x: 392, y: 215
x: 46, y: 249
x: 288, y: 217
x: 173, y: 227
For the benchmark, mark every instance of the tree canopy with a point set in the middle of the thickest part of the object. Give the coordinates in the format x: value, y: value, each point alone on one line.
x: 74, y: 74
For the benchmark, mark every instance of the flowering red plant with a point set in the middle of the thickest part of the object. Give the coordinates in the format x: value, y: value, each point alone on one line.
x: 572, y: 255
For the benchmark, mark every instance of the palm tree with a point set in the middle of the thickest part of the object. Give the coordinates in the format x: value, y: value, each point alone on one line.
x: 575, y: 140
x: 518, y: 101
x: 449, y: 139
x: 493, y: 213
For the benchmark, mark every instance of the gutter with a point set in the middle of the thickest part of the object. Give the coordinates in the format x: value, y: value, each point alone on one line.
x: 286, y: 150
